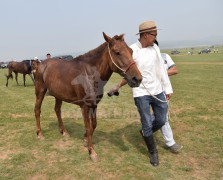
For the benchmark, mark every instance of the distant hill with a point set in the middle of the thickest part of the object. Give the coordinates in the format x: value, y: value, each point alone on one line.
x: 205, y: 42
x: 210, y: 41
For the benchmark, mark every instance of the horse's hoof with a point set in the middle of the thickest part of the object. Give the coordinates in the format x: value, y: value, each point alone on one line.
x: 66, y: 134
x: 94, y: 157
x: 40, y: 137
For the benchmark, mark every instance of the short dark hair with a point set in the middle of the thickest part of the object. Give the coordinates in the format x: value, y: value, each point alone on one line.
x: 48, y: 54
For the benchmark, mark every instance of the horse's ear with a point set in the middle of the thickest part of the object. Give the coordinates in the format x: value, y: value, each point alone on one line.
x: 107, y: 38
x: 122, y: 37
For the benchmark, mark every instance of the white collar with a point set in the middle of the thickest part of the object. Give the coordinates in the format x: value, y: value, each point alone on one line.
x: 138, y: 43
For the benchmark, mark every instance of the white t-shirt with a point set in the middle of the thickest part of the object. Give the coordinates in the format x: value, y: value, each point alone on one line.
x: 150, y: 64
x: 168, y: 62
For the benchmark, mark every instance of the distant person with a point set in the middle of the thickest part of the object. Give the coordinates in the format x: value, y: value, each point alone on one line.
x: 189, y: 53
x: 48, y: 56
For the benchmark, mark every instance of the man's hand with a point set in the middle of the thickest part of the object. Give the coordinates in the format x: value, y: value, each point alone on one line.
x: 114, y: 91
x: 168, y: 96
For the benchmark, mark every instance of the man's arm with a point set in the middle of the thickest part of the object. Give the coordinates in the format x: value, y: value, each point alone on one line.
x: 122, y: 83
x: 172, y: 70
x: 114, y: 91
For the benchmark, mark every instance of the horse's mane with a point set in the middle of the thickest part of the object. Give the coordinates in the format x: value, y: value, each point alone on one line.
x: 92, y: 53
x: 97, y: 51
x: 26, y: 61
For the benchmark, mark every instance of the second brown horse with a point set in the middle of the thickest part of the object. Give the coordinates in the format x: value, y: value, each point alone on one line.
x: 81, y: 81
x: 24, y: 67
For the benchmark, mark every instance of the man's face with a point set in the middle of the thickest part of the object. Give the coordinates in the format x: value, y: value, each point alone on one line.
x: 151, y: 37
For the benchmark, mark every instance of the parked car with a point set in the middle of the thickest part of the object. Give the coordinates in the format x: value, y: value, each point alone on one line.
x: 64, y: 57
x: 175, y: 52
x: 204, y: 51
x: 4, y: 66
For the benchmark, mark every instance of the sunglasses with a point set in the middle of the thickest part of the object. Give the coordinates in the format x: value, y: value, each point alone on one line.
x: 152, y: 34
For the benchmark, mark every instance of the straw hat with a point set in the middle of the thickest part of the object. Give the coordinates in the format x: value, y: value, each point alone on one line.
x: 147, y: 27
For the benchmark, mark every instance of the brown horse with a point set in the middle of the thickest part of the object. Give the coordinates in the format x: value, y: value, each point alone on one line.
x: 81, y: 81
x: 23, y: 67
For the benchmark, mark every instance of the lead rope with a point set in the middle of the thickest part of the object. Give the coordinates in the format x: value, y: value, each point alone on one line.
x: 168, y: 102
x: 171, y: 111
x: 153, y: 95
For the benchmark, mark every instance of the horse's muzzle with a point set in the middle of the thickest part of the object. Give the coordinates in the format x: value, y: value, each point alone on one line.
x: 134, y: 82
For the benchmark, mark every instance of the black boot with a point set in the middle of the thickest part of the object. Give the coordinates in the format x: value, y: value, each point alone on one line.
x: 151, y: 145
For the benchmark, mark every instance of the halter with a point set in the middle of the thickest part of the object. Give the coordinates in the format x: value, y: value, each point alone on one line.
x: 128, y: 67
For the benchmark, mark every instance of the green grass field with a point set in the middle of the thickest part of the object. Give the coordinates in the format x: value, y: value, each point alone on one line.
x: 196, y: 118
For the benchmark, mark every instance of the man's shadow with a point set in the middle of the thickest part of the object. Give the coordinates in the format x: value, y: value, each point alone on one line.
x: 119, y: 138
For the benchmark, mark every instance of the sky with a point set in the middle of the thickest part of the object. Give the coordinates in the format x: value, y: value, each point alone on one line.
x: 33, y: 28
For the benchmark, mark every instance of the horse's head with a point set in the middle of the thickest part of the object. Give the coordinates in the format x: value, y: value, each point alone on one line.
x: 35, y: 64
x: 121, y: 60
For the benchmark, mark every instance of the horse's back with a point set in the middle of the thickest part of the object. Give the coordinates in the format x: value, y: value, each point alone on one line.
x: 19, y: 67
x: 59, y: 68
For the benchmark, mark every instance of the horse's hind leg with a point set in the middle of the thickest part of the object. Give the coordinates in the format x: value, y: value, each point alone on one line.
x: 16, y: 78
x: 58, y: 104
x: 40, y: 93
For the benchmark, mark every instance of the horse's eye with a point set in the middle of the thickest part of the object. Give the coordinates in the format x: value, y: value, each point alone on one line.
x: 118, y: 53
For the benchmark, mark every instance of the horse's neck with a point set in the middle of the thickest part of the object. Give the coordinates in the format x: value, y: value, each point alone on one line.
x: 105, y: 71
x: 104, y: 67
x: 100, y: 61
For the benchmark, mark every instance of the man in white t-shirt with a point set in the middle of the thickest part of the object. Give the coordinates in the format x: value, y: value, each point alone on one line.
x: 166, y: 129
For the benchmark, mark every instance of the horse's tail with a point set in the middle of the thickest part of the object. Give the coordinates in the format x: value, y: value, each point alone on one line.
x: 9, y: 76
x: 9, y: 71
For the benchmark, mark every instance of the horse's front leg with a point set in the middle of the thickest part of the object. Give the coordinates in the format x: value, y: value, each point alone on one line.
x: 89, y: 132
x: 58, y: 104
x: 40, y: 92
x: 7, y: 81
x: 24, y: 80
x: 92, y: 112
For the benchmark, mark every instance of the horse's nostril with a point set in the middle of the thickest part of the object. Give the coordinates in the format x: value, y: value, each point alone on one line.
x: 134, y: 80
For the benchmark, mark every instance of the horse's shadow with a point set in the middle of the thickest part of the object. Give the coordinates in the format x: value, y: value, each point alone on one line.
x: 21, y: 85
x: 122, y: 138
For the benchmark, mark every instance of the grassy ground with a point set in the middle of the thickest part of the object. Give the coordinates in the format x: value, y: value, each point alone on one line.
x: 195, y: 117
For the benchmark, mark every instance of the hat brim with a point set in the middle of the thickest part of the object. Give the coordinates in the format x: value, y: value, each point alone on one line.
x: 147, y: 31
